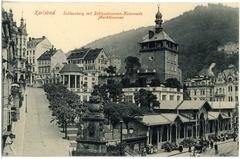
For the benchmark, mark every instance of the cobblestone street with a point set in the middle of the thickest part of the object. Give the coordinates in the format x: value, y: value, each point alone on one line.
x: 39, y: 136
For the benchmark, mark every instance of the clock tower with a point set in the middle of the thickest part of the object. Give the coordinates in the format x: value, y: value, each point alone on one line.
x: 159, y: 52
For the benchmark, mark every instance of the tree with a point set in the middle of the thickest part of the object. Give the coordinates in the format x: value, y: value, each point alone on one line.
x: 121, y: 111
x: 146, y: 100
x: 111, y: 69
x: 132, y: 64
x: 109, y: 92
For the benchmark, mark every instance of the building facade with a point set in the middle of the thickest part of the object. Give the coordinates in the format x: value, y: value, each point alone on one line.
x: 21, y: 50
x: 160, y: 52
x: 229, y: 48
x: 76, y: 80
x: 35, y: 48
x: 13, y: 75
x: 49, y: 65
x: 89, y: 60
x: 223, y: 87
x: 162, y: 93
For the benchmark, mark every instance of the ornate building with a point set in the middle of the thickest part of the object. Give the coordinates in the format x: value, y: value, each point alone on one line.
x: 160, y: 52
x: 21, y: 50
x: 207, y: 86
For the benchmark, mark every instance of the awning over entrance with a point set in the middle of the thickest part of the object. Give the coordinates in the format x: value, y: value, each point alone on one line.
x: 213, y: 115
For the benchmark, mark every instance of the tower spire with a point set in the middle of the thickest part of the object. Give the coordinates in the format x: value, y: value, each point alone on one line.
x: 158, y: 21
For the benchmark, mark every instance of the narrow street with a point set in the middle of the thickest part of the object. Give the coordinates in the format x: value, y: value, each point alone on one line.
x: 41, y: 138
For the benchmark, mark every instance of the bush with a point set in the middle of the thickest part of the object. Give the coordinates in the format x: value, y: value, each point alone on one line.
x: 167, y: 146
x: 188, y: 142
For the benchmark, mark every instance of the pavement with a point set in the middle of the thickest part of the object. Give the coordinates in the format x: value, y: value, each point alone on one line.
x: 35, y: 134
x: 227, y: 148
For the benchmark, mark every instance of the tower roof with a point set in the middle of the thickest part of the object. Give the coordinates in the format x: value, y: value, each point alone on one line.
x: 158, y: 37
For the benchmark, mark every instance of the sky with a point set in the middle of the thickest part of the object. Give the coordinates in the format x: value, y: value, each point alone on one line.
x: 68, y: 32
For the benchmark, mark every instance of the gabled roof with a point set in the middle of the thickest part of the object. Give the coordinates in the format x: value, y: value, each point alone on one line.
x: 78, y: 53
x: 71, y: 68
x: 170, y: 116
x: 34, y: 42
x: 169, y: 104
x: 85, y: 53
x: 48, y: 54
x: 93, y: 54
x: 157, y: 37
x: 192, y: 104
x: 223, y: 105
x: 151, y: 120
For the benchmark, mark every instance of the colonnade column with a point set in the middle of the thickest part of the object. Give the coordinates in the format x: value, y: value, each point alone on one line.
x: 69, y: 82
x: 75, y: 80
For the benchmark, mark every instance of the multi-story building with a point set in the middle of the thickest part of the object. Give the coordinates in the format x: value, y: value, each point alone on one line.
x: 201, y: 88
x: 226, y: 85
x: 89, y: 60
x: 12, y: 72
x: 162, y: 93
x: 76, y: 80
x: 160, y: 52
x: 35, y: 48
x: 229, y: 48
x: 49, y: 63
x: 223, y: 87
x: 21, y: 50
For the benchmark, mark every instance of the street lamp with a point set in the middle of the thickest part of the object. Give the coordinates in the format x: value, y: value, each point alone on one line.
x: 26, y: 103
x: 121, y: 139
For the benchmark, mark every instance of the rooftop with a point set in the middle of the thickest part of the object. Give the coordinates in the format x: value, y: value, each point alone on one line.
x: 84, y: 53
x: 33, y: 42
x: 48, y: 54
x: 71, y: 68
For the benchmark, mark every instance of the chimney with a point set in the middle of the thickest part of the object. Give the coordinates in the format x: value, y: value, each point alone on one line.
x: 43, y: 37
x: 30, y: 39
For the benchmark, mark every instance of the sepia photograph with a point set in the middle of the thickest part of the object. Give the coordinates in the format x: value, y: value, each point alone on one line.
x: 125, y: 79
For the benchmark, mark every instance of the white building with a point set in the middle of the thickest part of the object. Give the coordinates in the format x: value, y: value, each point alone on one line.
x: 35, y: 48
x: 78, y: 81
x: 229, y: 48
x: 49, y: 64
x: 226, y: 86
x: 89, y: 60
x: 162, y: 93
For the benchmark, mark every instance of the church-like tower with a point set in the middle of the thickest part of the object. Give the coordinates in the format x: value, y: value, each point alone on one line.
x: 160, y: 53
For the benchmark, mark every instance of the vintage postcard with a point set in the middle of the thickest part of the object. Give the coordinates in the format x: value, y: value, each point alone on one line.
x: 120, y: 79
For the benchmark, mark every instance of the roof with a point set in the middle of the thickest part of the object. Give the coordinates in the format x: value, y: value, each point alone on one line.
x: 213, y: 115
x: 34, y: 42
x: 78, y: 53
x: 85, y: 53
x: 168, y: 104
x: 192, y: 104
x: 93, y: 54
x: 223, y: 105
x: 48, y: 54
x: 170, y: 116
x: 158, y: 119
x: 71, y: 68
x: 158, y: 37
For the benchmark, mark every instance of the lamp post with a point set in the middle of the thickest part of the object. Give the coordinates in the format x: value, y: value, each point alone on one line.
x: 26, y: 103
x: 121, y: 139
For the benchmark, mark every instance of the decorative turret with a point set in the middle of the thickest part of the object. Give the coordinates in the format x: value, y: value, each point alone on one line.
x: 158, y: 21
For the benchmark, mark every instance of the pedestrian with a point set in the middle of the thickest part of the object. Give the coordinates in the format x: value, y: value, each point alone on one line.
x: 189, y: 148
x: 216, y: 148
x: 211, y: 144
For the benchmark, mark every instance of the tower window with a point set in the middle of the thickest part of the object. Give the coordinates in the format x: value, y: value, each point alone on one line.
x: 150, y: 58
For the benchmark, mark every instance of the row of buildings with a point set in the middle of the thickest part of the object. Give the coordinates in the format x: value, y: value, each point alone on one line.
x: 207, y: 86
